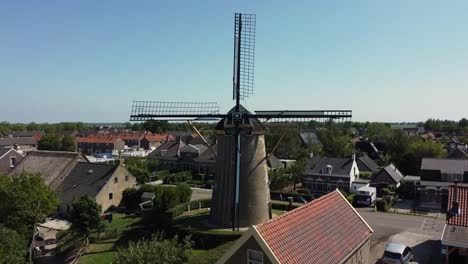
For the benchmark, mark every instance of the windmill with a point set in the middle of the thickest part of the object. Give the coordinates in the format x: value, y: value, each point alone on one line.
x: 241, y: 194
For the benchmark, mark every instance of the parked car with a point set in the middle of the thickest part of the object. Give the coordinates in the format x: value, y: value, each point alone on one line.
x: 397, y: 254
x: 300, y: 199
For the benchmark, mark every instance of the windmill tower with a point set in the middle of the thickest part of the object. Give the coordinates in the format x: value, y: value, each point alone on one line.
x: 241, y: 195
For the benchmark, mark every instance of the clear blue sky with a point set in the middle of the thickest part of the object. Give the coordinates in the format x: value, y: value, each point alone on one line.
x: 87, y: 60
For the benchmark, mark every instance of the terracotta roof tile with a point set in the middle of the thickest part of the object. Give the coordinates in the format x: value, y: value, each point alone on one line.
x: 462, y: 197
x: 323, y: 231
x: 98, y: 139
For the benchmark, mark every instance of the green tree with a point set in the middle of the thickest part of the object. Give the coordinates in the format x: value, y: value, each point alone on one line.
x: 12, y: 247
x: 411, y: 161
x: 335, y: 142
x: 85, y: 216
x: 377, y: 131
x: 279, y: 179
x: 50, y: 142
x: 296, y: 171
x: 154, y: 251
x: 68, y: 143
x: 25, y: 200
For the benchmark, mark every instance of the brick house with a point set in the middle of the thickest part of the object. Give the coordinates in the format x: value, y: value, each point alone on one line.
x: 96, y: 144
x: 455, y: 236
x: 132, y: 139
x: 327, y: 230
x: 323, y: 175
x: 103, y: 182
x: 9, y: 157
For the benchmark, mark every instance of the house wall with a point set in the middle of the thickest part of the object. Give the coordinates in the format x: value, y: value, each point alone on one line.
x: 116, y: 189
x: 240, y: 256
x: 361, y: 255
x: 430, y: 175
x: 5, y: 161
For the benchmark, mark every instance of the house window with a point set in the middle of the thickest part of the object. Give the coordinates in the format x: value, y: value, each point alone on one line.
x: 254, y: 257
x: 116, y: 180
x: 111, y: 195
x: 126, y: 177
x: 12, y: 162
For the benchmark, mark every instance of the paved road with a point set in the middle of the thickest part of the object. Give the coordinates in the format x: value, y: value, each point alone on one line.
x: 421, y: 233
x: 199, y: 193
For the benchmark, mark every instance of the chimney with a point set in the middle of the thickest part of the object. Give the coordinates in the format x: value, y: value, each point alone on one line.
x: 455, y: 204
x: 311, y: 154
x: 15, y: 146
x: 353, y: 156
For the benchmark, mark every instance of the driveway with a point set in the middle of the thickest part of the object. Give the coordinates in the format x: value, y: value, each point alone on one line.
x: 419, y: 232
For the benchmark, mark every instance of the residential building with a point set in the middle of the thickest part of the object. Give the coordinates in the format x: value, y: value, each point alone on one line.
x: 458, y: 152
x: 367, y: 164
x: 327, y: 230
x: 132, y: 139
x: 324, y: 175
x: 455, y: 236
x: 53, y: 166
x: 96, y: 144
x: 21, y: 144
x: 153, y: 141
x: 388, y: 176
x: 444, y: 170
x: 436, y: 175
x: 103, y: 182
x: 9, y: 157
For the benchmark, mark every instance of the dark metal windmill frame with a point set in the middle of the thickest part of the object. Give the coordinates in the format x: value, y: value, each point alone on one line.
x: 244, y: 53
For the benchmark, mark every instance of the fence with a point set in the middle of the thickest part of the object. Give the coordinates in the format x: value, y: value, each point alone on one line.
x: 189, y: 206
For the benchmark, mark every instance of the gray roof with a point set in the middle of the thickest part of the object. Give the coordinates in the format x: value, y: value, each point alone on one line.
x: 85, y: 179
x: 367, y: 164
x: 453, y: 166
x: 198, y: 148
x: 458, y: 152
x: 273, y: 162
x: 394, y: 173
x: 410, y: 178
x: 309, y: 138
x: 207, y: 155
x: 52, y: 165
x: 340, y: 166
x: 4, y: 151
x: 10, y: 141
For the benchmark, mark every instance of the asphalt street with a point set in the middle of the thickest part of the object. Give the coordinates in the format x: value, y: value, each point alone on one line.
x: 421, y: 233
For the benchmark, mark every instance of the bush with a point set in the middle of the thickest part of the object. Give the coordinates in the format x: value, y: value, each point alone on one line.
x: 131, y: 198
x: 156, y: 250
x: 350, y: 198
x: 365, y: 175
x: 386, y: 192
x: 382, y: 205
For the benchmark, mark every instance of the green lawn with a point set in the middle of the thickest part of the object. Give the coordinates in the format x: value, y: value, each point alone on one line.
x: 209, y: 244
x: 102, y: 251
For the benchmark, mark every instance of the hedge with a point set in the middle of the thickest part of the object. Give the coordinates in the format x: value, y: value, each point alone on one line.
x: 382, y: 205
x: 287, y: 194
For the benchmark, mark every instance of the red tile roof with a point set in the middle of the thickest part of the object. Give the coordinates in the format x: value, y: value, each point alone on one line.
x: 462, y: 197
x: 98, y: 139
x: 323, y: 231
x: 131, y: 136
x: 159, y: 137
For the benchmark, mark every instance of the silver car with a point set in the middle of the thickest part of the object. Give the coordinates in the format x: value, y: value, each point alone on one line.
x: 397, y: 254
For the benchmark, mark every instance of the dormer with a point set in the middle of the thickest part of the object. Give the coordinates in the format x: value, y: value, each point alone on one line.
x: 327, y: 169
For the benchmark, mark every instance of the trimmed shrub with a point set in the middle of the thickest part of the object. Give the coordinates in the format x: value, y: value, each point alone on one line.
x: 382, y: 205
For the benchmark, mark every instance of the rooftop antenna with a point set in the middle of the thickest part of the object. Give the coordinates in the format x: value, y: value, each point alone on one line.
x: 241, y: 194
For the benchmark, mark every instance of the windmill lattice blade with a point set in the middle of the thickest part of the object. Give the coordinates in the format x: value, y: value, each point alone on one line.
x: 244, y: 54
x: 154, y: 110
x: 288, y: 116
